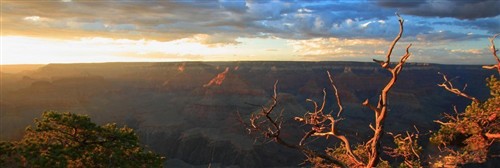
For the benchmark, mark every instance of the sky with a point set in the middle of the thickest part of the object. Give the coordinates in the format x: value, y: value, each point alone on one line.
x: 81, y: 31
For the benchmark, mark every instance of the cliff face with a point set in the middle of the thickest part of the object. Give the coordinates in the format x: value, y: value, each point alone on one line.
x: 188, y: 111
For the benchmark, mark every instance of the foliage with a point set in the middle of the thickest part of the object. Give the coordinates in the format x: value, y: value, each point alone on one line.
x: 72, y: 140
x: 471, y: 133
x: 361, y: 150
x: 406, y: 147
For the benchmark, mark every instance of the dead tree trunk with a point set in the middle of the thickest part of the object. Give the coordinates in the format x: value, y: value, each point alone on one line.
x: 381, y: 109
x: 323, y: 125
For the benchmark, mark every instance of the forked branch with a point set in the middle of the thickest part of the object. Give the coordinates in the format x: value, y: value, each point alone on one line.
x: 381, y: 109
x: 387, y: 61
x: 448, y: 85
x: 270, y: 127
x: 323, y: 125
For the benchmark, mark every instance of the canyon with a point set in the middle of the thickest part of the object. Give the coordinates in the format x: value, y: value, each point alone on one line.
x: 190, y: 111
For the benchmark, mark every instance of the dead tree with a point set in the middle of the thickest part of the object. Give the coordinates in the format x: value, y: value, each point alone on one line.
x: 323, y: 125
x: 381, y: 109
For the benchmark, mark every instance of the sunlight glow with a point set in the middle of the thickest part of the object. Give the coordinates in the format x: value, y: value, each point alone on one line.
x: 22, y: 50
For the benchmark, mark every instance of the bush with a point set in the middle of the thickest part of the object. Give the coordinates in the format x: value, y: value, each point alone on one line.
x: 72, y: 140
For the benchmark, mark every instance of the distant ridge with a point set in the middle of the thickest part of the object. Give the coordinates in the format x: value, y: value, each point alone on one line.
x: 16, y: 68
x: 231, y: 62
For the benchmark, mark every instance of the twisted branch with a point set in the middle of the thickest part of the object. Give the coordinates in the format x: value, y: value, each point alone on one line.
x: 270, y: 128
x: 386, y: 63
x: 381, y: 109
x: 448, y: 85
x: 494, y: 53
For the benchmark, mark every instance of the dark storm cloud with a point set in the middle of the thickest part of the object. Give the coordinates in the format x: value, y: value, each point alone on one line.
x: 489, y: 25
x: 460, y: 9
x: 492, y: 26
x: 400, y: 4
x: 234, y: 6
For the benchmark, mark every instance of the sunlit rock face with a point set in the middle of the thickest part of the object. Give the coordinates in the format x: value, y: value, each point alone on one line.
x: 190, y: 111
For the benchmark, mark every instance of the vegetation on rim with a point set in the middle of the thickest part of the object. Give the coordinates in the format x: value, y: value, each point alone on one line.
x: 72, y: 140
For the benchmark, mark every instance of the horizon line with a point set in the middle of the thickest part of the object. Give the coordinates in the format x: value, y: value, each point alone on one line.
x: 192, y: 61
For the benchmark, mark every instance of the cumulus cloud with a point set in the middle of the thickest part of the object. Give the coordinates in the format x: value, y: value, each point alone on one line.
x: 327, y: 48
x: 439, y: 51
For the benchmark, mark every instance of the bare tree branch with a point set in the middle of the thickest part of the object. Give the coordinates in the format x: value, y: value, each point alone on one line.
x: 319, y: 123
x: 492, y: 136
x: 448, y: 85
x: 386, y: 63
x: 332, y: 132
x: 381, y: 109
x: 270, y: 127
x: 494, y: 52
x: 442, y: 123
x: 367, y: 104
x: 339, y: 102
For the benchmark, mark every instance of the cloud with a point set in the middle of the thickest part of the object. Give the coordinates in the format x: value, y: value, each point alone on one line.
x: 161, y: 55
x: 215, y: 39
x: 454, y: 56
x: 154, y: 20
x: 447, y: 36
x: 471, y: 51
x: 400, y: 4
x: 234, y: 6
x: 32, y: 18
x: 462, y: 9
x: 492, y: 26
x: 366, y: 49
x: 223, y: 22
x: 327, y: 48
